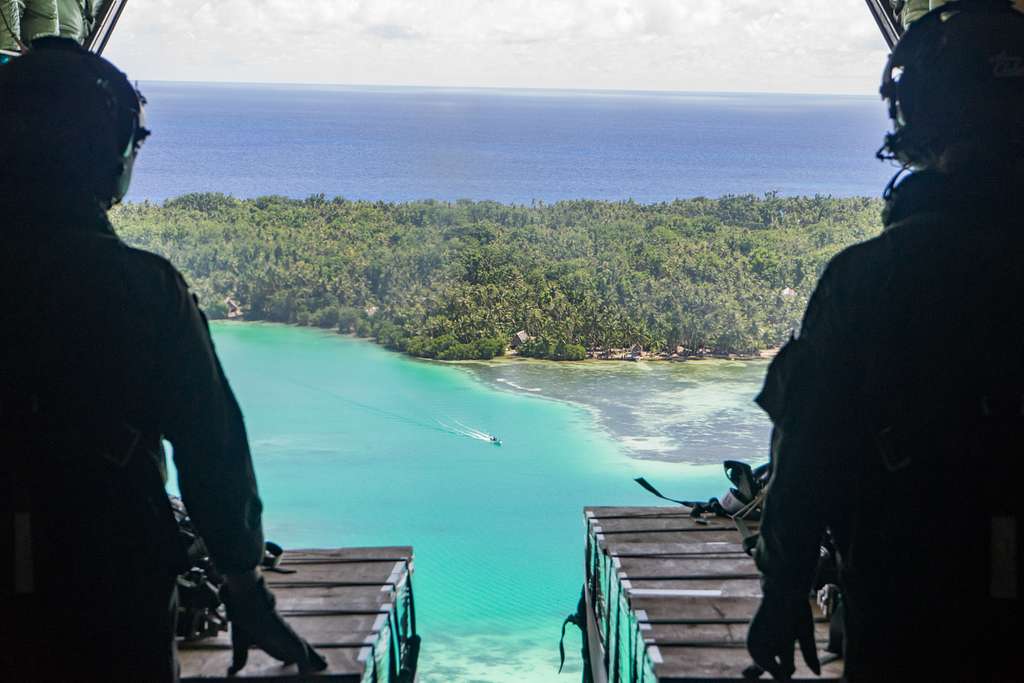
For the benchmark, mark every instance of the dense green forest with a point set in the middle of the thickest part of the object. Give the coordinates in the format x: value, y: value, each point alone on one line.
x: 457, y: 280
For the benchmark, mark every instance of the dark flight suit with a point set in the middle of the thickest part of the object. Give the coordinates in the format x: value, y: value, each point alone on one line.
x: 897, y: 414
x: 104, y: 351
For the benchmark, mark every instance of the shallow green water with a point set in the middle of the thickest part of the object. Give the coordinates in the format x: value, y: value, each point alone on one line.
x: 349, y: 451
x: 689, y: 412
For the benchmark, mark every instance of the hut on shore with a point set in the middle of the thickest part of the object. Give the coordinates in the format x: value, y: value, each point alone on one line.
x: 234, y: 308
x: 518, y: 339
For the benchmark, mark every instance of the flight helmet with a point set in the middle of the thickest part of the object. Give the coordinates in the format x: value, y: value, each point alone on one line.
x: 957, y: 75
x: 69, y: 121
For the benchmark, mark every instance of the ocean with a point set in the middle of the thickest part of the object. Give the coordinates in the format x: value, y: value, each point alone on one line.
x: 513, y: 146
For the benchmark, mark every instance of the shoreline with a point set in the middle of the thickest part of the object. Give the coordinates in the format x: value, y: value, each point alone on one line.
x: 624, y: 356
x: 613, y: 355
x: 628, y: 442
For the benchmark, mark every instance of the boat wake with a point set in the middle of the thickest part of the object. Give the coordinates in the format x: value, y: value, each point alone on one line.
x: 470, y: 432
x: 458, y: 429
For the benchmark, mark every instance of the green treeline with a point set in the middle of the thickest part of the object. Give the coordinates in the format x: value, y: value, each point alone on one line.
x: 457, y: 280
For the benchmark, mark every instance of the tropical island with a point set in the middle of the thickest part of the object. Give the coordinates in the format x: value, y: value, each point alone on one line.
x: 467, y: 280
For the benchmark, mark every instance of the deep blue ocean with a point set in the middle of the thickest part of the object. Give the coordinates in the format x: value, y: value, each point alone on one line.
x: 516, y: 146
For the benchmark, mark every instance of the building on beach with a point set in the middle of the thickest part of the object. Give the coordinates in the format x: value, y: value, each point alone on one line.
x: 518, y: 339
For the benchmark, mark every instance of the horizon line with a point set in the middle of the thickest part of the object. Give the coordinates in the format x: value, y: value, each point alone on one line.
x: 507, y: 89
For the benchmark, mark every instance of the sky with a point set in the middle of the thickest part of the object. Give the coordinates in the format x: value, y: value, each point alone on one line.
x: 812, y: 46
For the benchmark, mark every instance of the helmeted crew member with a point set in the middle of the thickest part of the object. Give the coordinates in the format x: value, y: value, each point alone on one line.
x: 898, y: 411
x: 103, y: 352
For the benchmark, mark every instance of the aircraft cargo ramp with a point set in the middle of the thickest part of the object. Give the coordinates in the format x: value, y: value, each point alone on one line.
x: 669, y: 598
x: 354, y: 605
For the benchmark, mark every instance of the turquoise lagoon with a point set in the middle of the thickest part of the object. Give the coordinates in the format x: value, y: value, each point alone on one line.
x: 350, y: 450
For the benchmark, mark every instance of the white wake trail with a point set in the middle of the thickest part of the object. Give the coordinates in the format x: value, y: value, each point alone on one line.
x: 475, y: 433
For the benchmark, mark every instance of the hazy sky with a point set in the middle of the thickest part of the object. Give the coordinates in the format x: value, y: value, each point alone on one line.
x: 734, y: 45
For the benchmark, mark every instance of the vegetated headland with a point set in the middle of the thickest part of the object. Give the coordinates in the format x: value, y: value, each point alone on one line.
x: 455, y: 281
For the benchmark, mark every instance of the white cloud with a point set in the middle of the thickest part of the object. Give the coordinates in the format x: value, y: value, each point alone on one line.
x: 812, y: 46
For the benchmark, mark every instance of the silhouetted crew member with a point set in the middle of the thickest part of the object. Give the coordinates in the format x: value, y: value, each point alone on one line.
x: 898, y: 408
x: 103, y: 352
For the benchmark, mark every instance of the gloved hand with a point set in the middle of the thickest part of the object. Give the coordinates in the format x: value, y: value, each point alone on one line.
x: 255, y: 621
x: 782, y: 619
